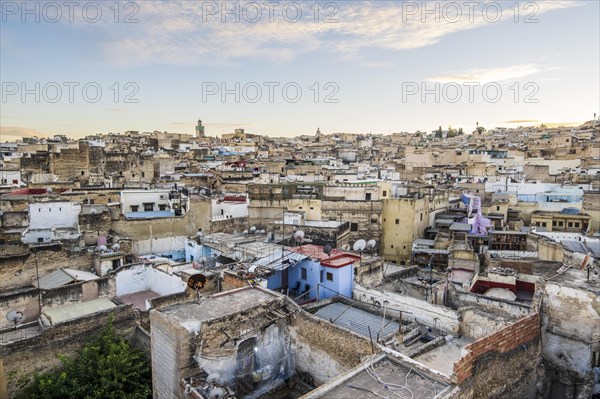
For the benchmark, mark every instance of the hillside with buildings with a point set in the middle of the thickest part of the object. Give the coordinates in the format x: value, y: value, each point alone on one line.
x: 334, y: 265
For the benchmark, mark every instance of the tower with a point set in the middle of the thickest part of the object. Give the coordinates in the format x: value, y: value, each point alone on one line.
x: 199, y: 129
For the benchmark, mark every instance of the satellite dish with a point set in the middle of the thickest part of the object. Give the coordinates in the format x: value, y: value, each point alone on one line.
x: 115, y: 247
x: 299, y: 235
x: 203, y: 192
x: 15, y: 316
x: 371, y: 244
x: 237, y: 255
x: 359, y: 245
x: 93, y: 211
x: 252, y: 229
x: 102, y: 247
x: 49, y: 190
x: 327, y: 249
x: 245, y: 232
x: 216, y: 393
x: 196, y: 281
x: 199, y: 234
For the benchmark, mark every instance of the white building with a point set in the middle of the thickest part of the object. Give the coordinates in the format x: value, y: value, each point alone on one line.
x: 229, y: 207
x: 11, y: 178
x: 141, y: 204
x: 52, y: 221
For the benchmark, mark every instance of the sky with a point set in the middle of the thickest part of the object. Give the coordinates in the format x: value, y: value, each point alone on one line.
x: 285, y: 68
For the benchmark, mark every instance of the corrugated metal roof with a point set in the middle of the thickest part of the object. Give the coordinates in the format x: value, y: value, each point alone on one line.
x: 357, y: 320
x: 63, y: 313
x: 57, y: 278
x: 570, y: 211
x: 583, y: 247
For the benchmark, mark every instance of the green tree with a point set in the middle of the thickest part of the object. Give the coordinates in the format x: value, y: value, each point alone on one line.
x: 106, y: 368
x: 439, y: 133
x: 460, y: 131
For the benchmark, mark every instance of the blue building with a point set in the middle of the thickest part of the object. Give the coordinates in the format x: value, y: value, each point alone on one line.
x: 315, y: 275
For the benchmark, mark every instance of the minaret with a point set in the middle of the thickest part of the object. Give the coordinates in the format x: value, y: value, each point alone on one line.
x: 199, y: 129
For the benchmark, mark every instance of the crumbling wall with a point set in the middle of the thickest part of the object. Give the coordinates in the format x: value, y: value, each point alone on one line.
x: 21, y: 271
x: 323, y: 350
x: 503, y: 364
x: 39, y: 353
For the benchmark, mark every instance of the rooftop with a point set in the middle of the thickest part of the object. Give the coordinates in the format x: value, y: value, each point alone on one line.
x: 190, y: 314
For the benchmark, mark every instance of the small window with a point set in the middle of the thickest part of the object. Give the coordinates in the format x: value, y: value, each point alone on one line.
x: 498, y: 207
x: 83, y: 173
x: 162, y: 207
x: 311, y: 208
x: 40, y: 239
x: 303, y: 273
x: 143, y: 174
x: 368, y: 197
x: 373, y: 221
x: 321, y: 276
x: 421, y: 216
x: 134, y: 208
x: 148, y: 206
x: 397, y: 221
x: 570, y: 224
x: 384, y: 193
x: 39, y: 209
x: 392, y: 246
x: 329, y: 276
x: 353, y: 226
x: 554, y: 224
x: 576, y: 224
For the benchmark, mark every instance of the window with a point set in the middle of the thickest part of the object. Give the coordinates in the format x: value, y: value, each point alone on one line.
x: 303, y: 273
x: 40, y: 239
x: 368, y: 197
x: 384, y: 193
x: 134, y: 208
x: 576, y: 224
x: 143, y: 174
x: 543, y: 224
x: 329, y: 276
x: 83, y: 173
x: 353, y: 226
x: 554, y: 223
x: 397, y: 221
x: 162, y: 207
x: 321, y: 276
x: 148, y: 206
x: 392, y: 246
x: 421, y: 216
x: 561, y: 224
x: 373, y: 221
x: 498, y: 207
x: 570, y: 224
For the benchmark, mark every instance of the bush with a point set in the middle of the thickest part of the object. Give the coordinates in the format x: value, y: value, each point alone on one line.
x: 106, y: 368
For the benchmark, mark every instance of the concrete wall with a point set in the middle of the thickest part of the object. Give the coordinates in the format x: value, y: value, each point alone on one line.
x: 422, y: 311
x: 143, y: 277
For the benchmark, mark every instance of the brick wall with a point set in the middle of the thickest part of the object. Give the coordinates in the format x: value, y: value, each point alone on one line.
x: 521, y: 332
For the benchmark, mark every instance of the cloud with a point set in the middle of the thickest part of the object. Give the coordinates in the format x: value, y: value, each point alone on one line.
x: 186, y: 33
x: 487, y: 75
x: 19, y: 131
x: 522, y: 121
